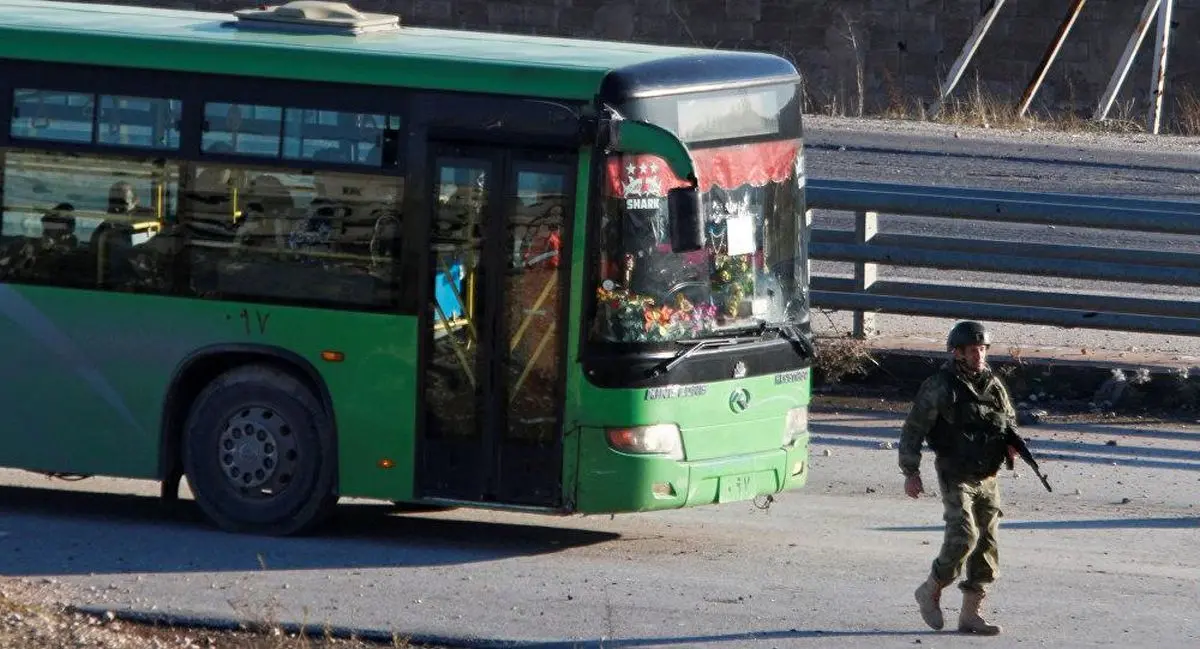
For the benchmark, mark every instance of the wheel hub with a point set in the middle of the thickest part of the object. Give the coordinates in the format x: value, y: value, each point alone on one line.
x: 257, y: 451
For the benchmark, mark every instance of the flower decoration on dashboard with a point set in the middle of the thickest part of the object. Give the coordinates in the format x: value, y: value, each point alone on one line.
x: 631, y: 317
x: 699, y: 317
x: 658, y: 319
x: 732, y: 277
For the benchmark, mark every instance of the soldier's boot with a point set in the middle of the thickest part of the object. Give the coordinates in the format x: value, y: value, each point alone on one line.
x: 969, y: 620
x: 929, y: 598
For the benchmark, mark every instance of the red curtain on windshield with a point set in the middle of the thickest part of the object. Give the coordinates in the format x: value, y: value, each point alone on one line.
x: 725, y: 167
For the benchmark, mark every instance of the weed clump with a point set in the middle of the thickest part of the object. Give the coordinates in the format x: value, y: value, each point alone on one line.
x: 842, y: 356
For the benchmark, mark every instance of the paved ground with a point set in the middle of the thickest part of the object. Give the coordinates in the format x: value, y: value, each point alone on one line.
x: 1107, y: 559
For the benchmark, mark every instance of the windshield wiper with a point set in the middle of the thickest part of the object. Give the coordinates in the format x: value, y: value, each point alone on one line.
x: 801, y: 342
x: 693, y: 346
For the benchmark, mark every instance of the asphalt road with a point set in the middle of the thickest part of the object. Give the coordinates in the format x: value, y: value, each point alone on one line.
x: 1131, y: 165
x: 1107, y: 558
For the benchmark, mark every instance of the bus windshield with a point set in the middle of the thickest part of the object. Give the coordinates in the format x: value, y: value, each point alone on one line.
x: 750, y: 271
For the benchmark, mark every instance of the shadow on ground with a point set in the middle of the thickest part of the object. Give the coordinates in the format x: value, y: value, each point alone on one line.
x: 70, y: 533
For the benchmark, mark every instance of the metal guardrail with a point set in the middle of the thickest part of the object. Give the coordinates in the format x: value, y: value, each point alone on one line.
x: 866, y: 248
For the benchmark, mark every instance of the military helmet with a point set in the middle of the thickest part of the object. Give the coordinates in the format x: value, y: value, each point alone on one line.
x: 968, y: 332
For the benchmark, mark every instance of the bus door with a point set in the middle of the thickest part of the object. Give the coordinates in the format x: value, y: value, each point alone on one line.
x: 492, y: 360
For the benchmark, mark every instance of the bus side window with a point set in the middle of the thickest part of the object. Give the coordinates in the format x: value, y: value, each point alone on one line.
x: 81, y: 220
x: 53, y: 115
x: 337, y: 136
x: 269, y: 238
x: 314, y: 238
x: 268, y: 216
x: 139, y: 121
x: 241, y: 129
x: 541, y: 240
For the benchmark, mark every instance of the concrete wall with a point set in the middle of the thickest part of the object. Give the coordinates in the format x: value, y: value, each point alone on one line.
x: 904, y: 47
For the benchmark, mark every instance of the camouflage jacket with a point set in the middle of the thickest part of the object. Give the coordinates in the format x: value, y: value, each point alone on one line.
x: 947, y: 405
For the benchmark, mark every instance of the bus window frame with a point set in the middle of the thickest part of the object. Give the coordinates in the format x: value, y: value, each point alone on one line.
x: 196, y: 89
x: 94, y: 121
x: 417, y: 108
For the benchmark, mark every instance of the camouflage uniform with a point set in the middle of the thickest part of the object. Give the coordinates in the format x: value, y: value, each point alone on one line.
x: 963, y: 419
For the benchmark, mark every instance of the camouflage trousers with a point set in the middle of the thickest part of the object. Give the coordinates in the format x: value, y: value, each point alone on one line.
x: 972, y: 514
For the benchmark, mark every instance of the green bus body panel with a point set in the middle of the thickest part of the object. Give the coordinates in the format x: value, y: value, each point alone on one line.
x: 573, y: 411
x: 86, y: 375
x: 612, y: 482
x: 413, y: 57
x: 718, y: 443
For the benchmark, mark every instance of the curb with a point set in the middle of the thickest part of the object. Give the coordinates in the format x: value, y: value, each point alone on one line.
x: 311, y: 631
x: 1103, y: 383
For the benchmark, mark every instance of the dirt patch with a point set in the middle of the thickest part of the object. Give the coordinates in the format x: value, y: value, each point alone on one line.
x: 33, y: 616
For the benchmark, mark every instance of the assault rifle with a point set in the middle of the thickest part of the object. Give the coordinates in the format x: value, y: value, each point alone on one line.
x: 1014, y: 440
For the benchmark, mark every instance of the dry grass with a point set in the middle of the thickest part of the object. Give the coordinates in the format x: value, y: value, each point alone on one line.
x: 842, y: 356
x: 987, y: 110
x: 32, y: 617
x: 981, y: 108
x: 898, y: 106
x: 1187, y: 117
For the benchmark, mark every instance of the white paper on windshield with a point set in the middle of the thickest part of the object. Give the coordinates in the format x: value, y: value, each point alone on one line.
x: 741, y: 234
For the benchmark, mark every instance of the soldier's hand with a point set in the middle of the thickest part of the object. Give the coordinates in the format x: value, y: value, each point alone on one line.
x: 913, y: 486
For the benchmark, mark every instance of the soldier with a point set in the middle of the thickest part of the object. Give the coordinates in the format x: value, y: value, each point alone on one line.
x: 963, y: 412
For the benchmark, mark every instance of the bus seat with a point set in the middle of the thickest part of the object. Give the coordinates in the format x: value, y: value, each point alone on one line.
x: 270, y: 203
x: 445, y: 288
x: 110, y: 246
x: 210, y: 194
x: 58, y: 226
x: 383, y: 237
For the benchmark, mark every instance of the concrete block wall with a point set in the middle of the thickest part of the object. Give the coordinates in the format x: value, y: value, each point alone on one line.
x: 899, y: 50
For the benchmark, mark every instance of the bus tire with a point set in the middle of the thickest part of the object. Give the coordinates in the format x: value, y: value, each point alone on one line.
x: 260, y: 453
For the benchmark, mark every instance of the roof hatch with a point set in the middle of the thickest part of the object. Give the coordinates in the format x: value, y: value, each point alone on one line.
x: 315, y: 17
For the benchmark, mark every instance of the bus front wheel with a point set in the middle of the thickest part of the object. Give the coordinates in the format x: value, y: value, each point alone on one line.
x: 259, y: 453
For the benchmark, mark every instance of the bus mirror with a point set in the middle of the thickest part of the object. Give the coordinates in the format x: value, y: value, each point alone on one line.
x: 687, y: 219
x: 629, y: 136
x: 684, y: 207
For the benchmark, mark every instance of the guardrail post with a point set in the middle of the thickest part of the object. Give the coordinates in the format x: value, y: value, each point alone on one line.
x: 1160, y: 65
x: 866, y: 226
x: 808, y: 237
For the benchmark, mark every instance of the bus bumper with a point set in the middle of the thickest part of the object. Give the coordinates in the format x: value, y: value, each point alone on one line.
x: 611, y: 482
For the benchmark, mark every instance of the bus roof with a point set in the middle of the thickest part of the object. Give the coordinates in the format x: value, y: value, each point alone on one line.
x: 203, y: 42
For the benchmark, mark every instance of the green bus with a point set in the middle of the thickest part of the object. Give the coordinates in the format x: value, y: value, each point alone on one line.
x: 297, y: 253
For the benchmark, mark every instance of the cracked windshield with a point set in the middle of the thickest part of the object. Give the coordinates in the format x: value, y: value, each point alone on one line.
x: 748, y: 271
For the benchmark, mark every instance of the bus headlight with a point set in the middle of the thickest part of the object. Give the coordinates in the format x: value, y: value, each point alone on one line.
x: 795, y: 425
x: 659, y: 439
